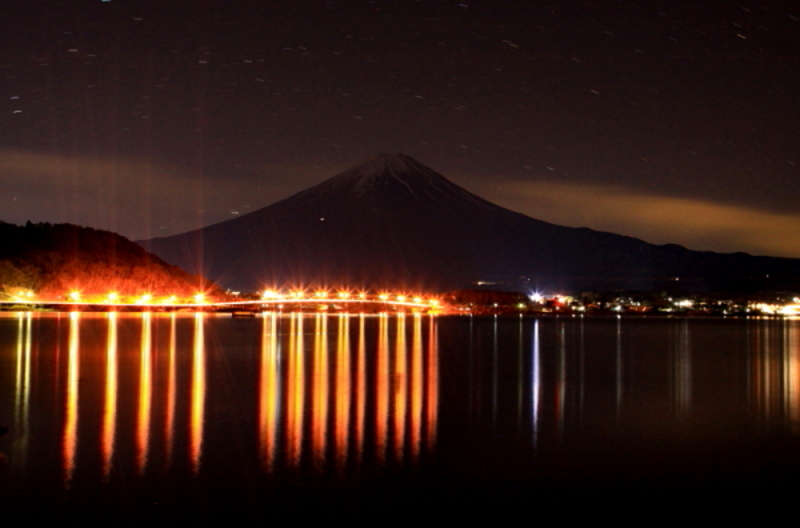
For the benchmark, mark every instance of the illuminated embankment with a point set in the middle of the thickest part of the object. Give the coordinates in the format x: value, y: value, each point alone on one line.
x: 270, y: 300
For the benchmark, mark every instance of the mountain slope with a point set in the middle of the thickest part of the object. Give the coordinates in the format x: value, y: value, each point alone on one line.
x: 393, y: 222
x: 56, y: 259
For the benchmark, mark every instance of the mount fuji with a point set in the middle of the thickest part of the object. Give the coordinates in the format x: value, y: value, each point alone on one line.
x: 392, y: 222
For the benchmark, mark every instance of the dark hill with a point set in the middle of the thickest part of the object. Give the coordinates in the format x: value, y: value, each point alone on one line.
x: 391, y: 221
x: 56, y: 259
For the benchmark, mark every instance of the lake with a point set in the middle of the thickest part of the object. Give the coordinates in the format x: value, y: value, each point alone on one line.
x: 140, y: 418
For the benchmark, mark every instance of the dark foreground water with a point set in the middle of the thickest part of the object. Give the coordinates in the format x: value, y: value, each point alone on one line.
x: 138, y: 418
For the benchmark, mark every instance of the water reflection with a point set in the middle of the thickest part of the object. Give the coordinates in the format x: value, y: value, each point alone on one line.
x: 145, y: 394
x: 22, y: 394
x: 536, y: 382
x: 172, y: 375
x: 644, y: 374
x: 70, y: 436
x: 682, y: 370
x: 320, y: 391
x: 400, y: 383
x: 269, y: 391
x: 198, y: 394
x: 343, y: 390
x: 382, y: 389
x: 110, y: 409
x: 773, y: 372
x: 295, y: 392
x: 793, y: 371
x: 114, y: 395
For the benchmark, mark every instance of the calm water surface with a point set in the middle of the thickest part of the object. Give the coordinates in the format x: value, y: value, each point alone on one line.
x: 133, y: 418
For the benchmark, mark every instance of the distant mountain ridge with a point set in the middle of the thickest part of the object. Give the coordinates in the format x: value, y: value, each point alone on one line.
x: 390, y: 221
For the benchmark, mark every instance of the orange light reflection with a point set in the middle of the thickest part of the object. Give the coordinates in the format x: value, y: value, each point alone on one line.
x: 361, y: 389
x: 198, y: 394
x: 70, y: 436
x: 172, y: 373
x: 145, y: 394
x: 320, y: 389
x: 269, y: 390
x: 432, y: 392
x: 416, y: 388
x: 296, y: 386
x: 382, y: 388
x: 400, y: 388
x: 343, y: 390
x: 110, y: 408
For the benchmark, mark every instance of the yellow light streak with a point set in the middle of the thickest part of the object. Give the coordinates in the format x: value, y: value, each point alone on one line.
x: 110, y: 407
x: 198, y: 394
x: 400, y: 388
x: 382, y: 389
x: 145, y: 394
x: 269, y: 391
x: 70, y: 436
x: 343, y: 390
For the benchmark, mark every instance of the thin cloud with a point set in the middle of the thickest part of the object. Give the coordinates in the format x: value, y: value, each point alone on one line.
x: 694, y: 223
x: 130, y: 197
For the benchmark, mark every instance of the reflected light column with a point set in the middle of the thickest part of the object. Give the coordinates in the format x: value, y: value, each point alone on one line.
x: 361, y: 388
x: 400, y: 387
x: 320, y: 390
x: 110, y: 409
x: 536, y: 380
x: 683, y: 372
x: 343, y: 390
x: 198, y: 395
x: 416, y: 388
x: 295, y: 391
x: 145, y: 393
x: 432, y: 393
x: 793, y: 374
x: 270, y: 390
x: 23, y: 388
x: 619, y: 368
x: 561, y: 388
x: 172, y: 374
x: 70, y: 436
x: 382, y: 388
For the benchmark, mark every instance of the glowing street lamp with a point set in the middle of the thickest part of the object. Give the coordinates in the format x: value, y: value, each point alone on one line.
x: 144, y: 299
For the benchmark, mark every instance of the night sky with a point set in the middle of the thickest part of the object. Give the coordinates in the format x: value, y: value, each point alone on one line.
x: 670, y: 121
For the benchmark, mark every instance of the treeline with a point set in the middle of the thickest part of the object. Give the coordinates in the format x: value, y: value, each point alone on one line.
x: 52, y: 259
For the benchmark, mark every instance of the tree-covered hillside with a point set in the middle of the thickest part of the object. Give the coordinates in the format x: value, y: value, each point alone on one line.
x: 53, y: 260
